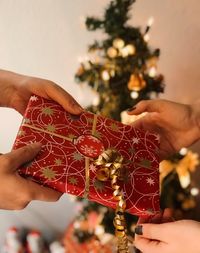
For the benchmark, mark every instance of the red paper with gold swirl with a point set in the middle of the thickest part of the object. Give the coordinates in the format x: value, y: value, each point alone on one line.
x: 61, y: 164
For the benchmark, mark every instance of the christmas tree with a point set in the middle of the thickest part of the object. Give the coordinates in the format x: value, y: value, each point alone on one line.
x: 122, y: 70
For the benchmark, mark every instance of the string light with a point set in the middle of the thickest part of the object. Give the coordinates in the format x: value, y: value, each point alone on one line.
x: 146, y: 37
x: 194, y: 191
x: 150, y: 21
x: 105, y: 75
x: 183, y: 151
x: 152, y: 72
x: 134, y: 94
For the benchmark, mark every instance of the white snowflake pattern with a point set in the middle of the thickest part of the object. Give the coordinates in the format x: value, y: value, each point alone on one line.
x: 150, y: 181
x: 136, y: 140
x: 157, y: 137
x: 33, y: 98
x: 93, y: 168
x: 88, y: 150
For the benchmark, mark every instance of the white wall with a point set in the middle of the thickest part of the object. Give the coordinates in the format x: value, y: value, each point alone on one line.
x: 45, y: 38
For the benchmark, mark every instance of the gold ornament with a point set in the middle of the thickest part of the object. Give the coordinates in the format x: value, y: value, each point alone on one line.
x: 124, y: 52
x: 118, y: 43
x: 136, y: 82
x: 183, y: 168
x: 111, y: 163
x: 112, y: 52
x: 127, y: 50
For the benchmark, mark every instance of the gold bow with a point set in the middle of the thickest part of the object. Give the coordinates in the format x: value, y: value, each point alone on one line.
x: 111, y: 163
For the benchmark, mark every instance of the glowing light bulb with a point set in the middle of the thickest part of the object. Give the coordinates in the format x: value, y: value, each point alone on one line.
x: 152, y: 72
x: 146, y: 37
x: 150, y: 21
x: 105, y: 75
x: 194, y: 191
x: 183, y: 151
x: 134, y: 94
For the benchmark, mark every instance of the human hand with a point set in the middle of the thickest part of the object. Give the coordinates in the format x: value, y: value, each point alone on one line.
x: 16, y: 90
x: 177, y: 124
x: 15, y: 191
x: 171, y: 237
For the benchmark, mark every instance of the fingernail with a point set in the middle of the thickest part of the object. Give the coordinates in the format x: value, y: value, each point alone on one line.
x: 138, y: 230
x: 131, y: 109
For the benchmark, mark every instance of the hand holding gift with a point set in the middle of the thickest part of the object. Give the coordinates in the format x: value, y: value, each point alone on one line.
x: 177, y: 124
x: 15, y: 90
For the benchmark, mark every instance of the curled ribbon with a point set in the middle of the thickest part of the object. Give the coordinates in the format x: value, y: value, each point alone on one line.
x: 111, y: 163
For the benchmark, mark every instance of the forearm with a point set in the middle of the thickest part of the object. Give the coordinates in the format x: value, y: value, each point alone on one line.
x: 8, y: 82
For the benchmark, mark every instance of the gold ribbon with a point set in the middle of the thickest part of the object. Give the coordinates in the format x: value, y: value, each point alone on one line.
x: 87, y: 159
x: 111, y: 163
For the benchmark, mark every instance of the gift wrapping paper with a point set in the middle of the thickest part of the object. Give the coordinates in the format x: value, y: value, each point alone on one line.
x: 71, y: 143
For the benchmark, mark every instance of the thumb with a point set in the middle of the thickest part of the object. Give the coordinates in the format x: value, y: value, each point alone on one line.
x: 152, y: 231
x: 18, y: 157
x: 145, y: 106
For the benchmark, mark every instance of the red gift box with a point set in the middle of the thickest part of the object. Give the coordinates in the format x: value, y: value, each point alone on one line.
x: 70, y: 145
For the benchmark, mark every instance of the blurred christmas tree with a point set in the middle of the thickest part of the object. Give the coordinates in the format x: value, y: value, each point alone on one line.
x: 122, y: 70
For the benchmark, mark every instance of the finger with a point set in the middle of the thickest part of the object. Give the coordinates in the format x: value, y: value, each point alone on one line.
x: 152, y: 231
x: 145, y: 106
x: 13, y: 160
x: 49, y: 89
x: 148, y: 123
x: 38, y: 192
x: 65, y: 99
x: 148, y: 246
